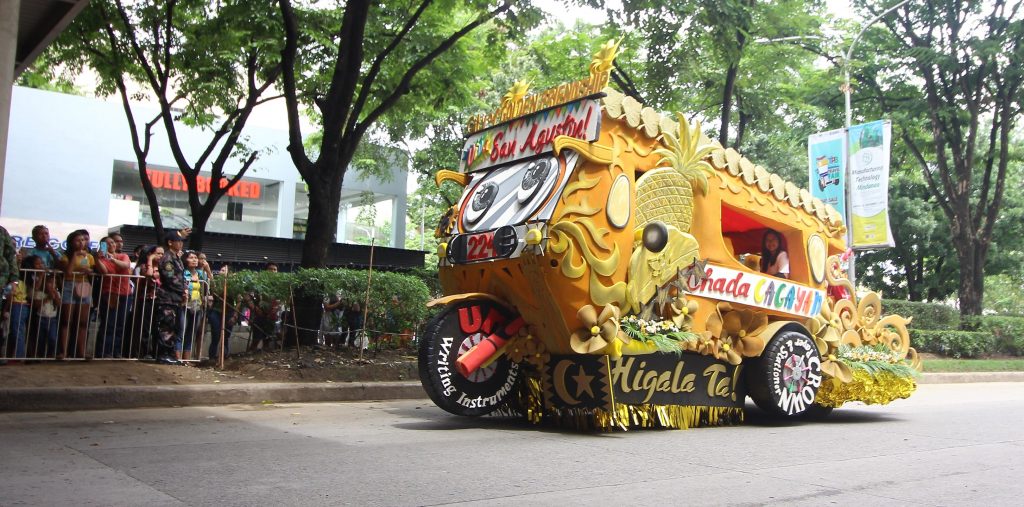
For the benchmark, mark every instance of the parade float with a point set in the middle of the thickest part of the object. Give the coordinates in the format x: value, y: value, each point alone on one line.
x: 601, y: 271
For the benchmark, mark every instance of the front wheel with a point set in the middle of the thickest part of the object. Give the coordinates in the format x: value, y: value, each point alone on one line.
x: 448, y: 336
x: 784, y: 381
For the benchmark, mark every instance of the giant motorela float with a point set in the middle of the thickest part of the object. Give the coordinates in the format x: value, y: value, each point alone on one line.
x: 602, y: 270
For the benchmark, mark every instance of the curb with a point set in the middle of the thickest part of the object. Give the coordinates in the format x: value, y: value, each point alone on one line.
x: 971, y: 377
x: 25, y: 399
x: 36, y: 399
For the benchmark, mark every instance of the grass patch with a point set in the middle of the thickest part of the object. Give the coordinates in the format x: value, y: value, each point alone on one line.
x: 958, y: 365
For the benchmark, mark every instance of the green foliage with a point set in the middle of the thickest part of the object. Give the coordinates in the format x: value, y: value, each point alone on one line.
x: 46, y: 73
x: 428, y: 275
x: 958, y: 365
x: 326, y: 284
x: 1004, y: 294
x: 1007, y: 331
x: 875, y: 359
x: 205, y: 64
x: 930, y: 316
x: 948, y: 75
x: 952, y: 343
x: 663, y: 334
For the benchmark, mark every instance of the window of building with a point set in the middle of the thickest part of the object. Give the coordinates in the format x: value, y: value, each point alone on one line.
x: 251, y: 206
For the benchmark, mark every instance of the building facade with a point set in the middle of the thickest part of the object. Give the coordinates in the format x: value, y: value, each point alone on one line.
x: 71, y: 165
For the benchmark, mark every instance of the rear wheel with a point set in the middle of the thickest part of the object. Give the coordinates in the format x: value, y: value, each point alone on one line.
x: 451, y: 334
x: 784, y: 381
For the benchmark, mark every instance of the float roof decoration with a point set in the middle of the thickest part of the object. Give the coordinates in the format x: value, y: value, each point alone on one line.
x: 516, y: 103
x: 653, y: 124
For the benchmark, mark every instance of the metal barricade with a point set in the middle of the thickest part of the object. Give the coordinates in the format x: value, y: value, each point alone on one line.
x: 94, y: 316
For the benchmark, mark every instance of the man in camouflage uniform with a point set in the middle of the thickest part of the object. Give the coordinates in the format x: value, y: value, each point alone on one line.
x: 9, y: 259
x: 170, y: 301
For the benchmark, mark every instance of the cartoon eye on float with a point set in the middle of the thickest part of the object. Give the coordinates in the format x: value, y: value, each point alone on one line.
x: 510, y: 195
x: 535, y: 175
x: 481, y: 201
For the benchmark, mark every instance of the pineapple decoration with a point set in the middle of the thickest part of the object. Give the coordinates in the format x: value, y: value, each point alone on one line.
x: 664, y: 197
x: 666, y: 192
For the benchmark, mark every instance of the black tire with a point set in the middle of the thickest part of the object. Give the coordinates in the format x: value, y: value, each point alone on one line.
x: 785, y: 379
x: 443, y: 342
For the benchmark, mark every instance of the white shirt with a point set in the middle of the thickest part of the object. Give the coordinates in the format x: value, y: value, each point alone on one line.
x: 781, y: 265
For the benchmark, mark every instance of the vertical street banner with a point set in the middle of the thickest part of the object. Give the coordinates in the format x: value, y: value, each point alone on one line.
x: 869, y: 184
x: 827, y: 154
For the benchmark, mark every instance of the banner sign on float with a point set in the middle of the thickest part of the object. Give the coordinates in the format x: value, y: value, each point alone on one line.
x: 826, y: 177
x: 531, y: 135
x: 869, y: 184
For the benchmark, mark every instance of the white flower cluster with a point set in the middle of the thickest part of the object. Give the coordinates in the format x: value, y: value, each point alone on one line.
x: 869, y: 354
x: 652, y: 327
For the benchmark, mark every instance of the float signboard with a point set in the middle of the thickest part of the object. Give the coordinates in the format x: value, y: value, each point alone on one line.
x: 752, y: 289
x: 530, y: 136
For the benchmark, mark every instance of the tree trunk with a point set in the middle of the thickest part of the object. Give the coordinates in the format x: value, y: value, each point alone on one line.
x: 200, y: 219
x: 727, y: 93
x: 970, y: 290
x: 932, y: 294
x: 914, y: 274
x: 322, y: 222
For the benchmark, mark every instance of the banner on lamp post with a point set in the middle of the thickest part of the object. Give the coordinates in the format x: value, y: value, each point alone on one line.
x: 869, y: 151
x: 827, y: 172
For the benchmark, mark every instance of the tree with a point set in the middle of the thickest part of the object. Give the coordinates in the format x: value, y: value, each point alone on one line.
x: 355, y: 66
x: 205, y: 64
x: 958, y: 65
x: 738, y: 63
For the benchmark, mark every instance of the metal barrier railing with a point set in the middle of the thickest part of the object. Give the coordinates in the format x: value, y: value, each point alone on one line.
x: 94, y: 316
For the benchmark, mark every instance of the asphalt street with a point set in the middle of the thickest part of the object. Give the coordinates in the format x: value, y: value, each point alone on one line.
x: 950, y: 444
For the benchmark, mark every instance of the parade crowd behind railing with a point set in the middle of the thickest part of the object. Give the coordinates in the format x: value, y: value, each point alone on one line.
x: 79, y: 303
x: 159, y: 303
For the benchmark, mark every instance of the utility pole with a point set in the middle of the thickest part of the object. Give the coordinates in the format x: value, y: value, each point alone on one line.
x: 852, y: 273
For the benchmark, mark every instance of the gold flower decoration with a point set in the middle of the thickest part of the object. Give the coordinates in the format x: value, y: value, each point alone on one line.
x: 825, y: 330
x: 527, y: 347
x: 738, y: 332
x: 599, y: 331
x: 681, y: 312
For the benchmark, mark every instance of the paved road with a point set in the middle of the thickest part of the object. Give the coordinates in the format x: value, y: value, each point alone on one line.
x: 951, y: 444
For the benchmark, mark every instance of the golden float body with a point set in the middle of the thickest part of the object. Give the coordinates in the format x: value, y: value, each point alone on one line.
x: 648, y: 223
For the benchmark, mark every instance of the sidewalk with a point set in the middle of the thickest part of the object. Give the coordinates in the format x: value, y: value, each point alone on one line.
x: 23, y: 399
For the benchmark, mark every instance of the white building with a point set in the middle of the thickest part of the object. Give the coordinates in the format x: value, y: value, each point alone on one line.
x: 70, y: 165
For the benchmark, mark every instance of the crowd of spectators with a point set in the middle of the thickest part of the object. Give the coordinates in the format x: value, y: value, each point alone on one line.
x: 152, y: 304
x: 71, y: 300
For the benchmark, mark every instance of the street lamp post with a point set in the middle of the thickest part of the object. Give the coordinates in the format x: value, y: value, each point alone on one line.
x: 852, y: 273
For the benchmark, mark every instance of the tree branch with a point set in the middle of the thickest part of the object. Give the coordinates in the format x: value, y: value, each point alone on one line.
x: 378, y: 63
x: 288, y: 55
x: 403, y: 86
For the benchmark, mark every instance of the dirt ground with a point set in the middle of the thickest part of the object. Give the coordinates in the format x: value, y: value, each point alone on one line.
x: 268, y: 366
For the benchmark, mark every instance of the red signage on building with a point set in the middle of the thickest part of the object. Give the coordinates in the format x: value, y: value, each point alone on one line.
x: 168, y: 180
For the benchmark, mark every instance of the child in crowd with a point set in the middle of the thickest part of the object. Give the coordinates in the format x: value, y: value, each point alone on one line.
x: 78, y: 265
x: 44, y: 297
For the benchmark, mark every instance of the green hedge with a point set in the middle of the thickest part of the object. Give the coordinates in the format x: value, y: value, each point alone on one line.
x: 933, y: 316
x: 1008, y: 332
x: 952, y: 343
x: 317, y: 284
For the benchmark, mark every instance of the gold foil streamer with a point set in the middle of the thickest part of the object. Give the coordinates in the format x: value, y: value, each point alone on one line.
x: 624, y: 417
x: 878, y: 389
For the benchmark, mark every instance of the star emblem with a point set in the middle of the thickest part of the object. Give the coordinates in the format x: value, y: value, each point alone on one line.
x: 583, y: 382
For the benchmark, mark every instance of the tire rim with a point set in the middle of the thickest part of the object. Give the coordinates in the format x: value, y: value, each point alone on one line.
x: 794, y: 373
x: 483, y: 373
